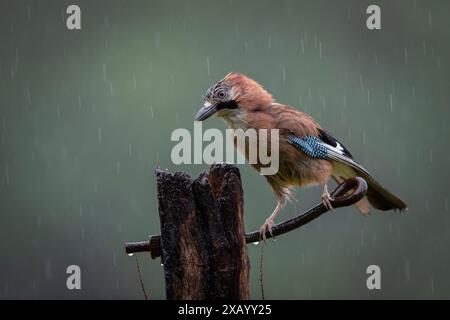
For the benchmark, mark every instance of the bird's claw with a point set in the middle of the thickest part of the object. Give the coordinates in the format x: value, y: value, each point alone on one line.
x: 266, y: 227
x: 326, y: 200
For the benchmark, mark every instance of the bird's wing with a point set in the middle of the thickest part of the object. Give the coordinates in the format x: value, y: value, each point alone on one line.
x: 324, y: 146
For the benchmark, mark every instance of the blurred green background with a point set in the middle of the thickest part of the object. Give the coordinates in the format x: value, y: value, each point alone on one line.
x: 87, y: 115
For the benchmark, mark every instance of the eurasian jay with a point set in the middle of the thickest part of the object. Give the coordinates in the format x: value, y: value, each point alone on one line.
x: 308, y: 154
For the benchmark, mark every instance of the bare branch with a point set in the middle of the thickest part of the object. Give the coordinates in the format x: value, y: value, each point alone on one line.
x: 346, y: 194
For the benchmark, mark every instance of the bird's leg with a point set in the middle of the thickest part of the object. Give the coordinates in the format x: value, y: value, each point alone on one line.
x: 267, y: 226
x: 326, y: 198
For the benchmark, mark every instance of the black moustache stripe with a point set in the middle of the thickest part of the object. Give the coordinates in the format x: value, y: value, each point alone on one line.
x: 231, y: 104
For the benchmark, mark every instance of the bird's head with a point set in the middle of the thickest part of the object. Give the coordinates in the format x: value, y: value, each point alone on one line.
x: 234, y: 95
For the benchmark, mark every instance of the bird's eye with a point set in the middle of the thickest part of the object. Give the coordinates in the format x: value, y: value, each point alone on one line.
x: 221, y: 94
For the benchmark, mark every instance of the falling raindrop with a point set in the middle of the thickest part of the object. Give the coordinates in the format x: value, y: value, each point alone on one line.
x: 118, y: 167
x: 324, y: 102
x: 391, y: 103
x: 111, y: 88
x: 129, y: 150
x: 320, y: 50
x: 406, y: 56
x: 48, y: 269
x: 104, y: 72
x: 114, y: 259
x: 432, y: 284
x: 134, y: 82
x: 284, y: 75
x: 79, y: 102
x: 302, y: 45
x: 99, y: 135
x: 208, y: 66
x: 27, y: 92
x: 269, y: 42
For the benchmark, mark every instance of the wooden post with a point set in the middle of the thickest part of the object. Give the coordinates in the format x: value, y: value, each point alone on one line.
x: 203, y: 243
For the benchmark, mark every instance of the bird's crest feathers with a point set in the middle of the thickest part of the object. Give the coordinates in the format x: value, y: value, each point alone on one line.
x: 248, y: 93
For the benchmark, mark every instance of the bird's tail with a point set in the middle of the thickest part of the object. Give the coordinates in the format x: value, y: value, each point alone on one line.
x: 377, y: 196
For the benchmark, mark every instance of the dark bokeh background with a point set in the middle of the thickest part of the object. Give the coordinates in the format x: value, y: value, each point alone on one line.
x: 87, y: 115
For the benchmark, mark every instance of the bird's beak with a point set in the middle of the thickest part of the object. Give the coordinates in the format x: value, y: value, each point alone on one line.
x: 206, y: 111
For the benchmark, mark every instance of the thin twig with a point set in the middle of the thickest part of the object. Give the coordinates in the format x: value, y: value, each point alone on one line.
x: 347, y: 193
x: 140, y: 278
x: 261, y: 271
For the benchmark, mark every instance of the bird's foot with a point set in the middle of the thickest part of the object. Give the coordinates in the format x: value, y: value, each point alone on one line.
x: 266, y: 227
x: 326, y: 200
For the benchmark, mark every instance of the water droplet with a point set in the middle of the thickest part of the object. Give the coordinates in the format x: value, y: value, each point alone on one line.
x: 256, y: 243
x: 162, y: 264
x: 391, y: 102
x: 130, y: 254
x: 99, y: 135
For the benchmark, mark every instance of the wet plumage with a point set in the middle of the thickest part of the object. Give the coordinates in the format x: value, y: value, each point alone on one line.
x: 309, y: 154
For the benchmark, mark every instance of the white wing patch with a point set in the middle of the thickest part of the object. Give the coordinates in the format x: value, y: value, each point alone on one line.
x: 338, y: 149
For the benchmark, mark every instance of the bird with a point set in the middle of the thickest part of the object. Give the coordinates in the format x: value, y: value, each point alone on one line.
x: 308, y: 153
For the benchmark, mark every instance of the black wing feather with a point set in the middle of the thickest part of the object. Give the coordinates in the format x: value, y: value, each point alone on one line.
x: 328, y: 139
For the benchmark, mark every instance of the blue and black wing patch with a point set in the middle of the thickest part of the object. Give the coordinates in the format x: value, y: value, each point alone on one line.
x: 310, y: 145
x: 323, y: 147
